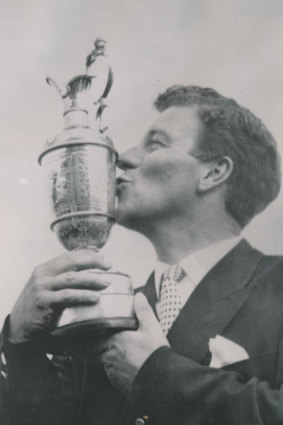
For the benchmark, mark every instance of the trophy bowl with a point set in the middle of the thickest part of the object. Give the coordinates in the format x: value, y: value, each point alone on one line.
x: 81, y: 179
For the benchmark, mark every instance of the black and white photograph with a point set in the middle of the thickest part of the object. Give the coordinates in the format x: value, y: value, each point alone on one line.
x: 141, y: 212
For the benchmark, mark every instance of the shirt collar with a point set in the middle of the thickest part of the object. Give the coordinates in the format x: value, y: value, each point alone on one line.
x: 198, y: 264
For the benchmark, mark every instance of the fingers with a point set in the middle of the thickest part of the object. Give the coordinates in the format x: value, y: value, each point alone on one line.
x: 77, y: 280
x: 68, y: 298
x: 74, y: 261
x: 71, y: 288
x: 144, y: 312
x: 141, y: 305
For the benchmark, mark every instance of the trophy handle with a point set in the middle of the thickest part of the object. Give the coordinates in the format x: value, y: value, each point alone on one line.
x: 109, y: 84
x: 104, y: 95
x: 53, y: 83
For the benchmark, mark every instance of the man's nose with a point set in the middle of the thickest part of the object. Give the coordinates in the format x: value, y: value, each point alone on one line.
x: 130, y: 159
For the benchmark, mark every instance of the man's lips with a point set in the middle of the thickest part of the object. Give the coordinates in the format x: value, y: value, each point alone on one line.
x: 121, y: 182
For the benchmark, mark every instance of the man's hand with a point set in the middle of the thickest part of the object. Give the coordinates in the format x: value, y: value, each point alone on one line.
x: 60, y: 283
x: 128, y: 350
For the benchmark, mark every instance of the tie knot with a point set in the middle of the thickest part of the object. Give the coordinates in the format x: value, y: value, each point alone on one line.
x: 174, y: 273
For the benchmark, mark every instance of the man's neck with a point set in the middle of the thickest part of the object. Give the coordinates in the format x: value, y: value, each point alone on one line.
x: 178, y: 239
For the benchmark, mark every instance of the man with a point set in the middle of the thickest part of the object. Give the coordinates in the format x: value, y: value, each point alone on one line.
x: 205, y: 168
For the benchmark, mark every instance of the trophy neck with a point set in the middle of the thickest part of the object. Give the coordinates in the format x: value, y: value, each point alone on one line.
x: 76, y: 117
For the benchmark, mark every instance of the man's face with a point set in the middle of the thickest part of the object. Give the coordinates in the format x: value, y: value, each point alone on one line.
x: 160, y: 177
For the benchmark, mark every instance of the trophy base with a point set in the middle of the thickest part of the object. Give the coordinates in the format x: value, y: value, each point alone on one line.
x: 76, y: 338
x: 81, y: 328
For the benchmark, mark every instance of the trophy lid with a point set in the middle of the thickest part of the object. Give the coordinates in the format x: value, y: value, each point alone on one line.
x: 84, y: 105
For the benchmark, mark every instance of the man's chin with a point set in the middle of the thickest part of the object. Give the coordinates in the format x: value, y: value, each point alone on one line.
x: 122, y: 219
x: 126, y: 219
x: 120, y: 216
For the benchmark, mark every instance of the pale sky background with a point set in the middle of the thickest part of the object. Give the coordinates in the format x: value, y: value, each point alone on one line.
x: 234, y: 46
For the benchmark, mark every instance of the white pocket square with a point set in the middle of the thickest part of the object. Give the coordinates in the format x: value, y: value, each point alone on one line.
x: 225, y: 352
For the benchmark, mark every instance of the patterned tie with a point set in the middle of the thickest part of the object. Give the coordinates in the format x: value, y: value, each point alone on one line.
x: 170, y: 300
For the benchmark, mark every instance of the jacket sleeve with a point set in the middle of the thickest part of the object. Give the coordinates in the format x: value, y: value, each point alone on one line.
x: 172, y: 389
x: 33, y: 390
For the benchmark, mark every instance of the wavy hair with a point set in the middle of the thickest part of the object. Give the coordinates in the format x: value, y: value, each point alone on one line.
x: 230, y: 130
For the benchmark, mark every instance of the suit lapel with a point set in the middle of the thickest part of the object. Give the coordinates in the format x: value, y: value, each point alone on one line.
x: 150, y: 292
x: 213, y: 304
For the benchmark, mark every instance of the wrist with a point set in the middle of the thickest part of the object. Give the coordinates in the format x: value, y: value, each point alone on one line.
x: 11, y: 334
x: 10, y: 344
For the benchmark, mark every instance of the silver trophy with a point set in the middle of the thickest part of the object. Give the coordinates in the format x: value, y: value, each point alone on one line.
x: 80, y: 165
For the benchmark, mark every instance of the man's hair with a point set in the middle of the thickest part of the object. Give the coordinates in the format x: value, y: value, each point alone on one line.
x: 230, y: 130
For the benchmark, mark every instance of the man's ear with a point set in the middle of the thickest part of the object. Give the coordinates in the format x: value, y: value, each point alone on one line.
x: 215, y: 173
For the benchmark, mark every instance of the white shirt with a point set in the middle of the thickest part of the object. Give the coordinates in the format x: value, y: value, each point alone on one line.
x: 196, y: 266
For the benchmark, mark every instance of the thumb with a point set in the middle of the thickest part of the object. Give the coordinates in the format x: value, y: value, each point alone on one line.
x: 144, y: 312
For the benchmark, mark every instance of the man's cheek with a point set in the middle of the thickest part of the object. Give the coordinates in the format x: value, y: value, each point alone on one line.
x: 158, y: 172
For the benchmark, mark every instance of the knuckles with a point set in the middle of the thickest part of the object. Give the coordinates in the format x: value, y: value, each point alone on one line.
x: 37, y: 273
x: 37, y: 282
x: 39, y: 300
x: 72, y: 259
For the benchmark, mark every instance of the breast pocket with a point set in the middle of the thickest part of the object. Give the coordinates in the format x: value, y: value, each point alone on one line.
x: 263, y: 367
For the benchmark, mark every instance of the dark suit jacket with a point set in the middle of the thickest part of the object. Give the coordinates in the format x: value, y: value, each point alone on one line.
x: 241, y: 298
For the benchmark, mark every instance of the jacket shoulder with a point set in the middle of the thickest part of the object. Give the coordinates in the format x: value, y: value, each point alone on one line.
x: 272, y: 265
x: 268, y: 277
